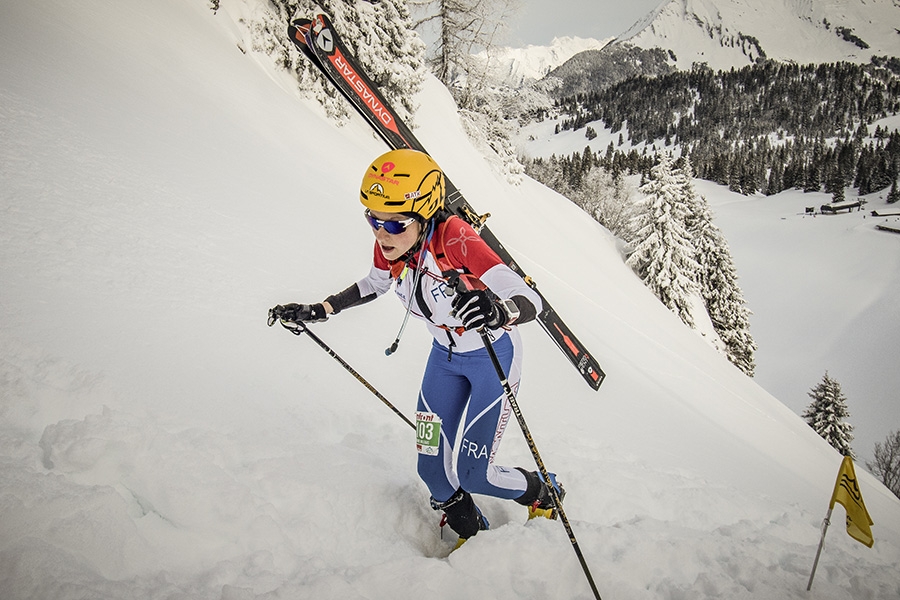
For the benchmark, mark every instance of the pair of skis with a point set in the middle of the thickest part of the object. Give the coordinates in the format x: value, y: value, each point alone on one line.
x: 317, y: 39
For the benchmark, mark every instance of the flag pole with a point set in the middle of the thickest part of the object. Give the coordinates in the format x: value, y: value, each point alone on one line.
x: 825, y: 525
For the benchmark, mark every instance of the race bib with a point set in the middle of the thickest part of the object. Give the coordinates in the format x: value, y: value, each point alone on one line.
x: 428, y: 433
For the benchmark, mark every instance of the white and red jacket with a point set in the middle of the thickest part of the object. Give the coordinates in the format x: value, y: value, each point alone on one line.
x: 454, y: 244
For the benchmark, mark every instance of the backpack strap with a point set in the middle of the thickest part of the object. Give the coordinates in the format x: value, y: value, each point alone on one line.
x: 439, y: 252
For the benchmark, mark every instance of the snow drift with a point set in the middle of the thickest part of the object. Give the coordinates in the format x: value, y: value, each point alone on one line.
x: 161, y: 190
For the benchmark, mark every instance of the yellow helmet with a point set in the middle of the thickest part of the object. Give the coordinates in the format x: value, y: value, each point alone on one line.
x: 403, y: 181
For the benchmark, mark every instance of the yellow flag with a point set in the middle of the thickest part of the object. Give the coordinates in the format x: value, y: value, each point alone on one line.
x: 847, y: 494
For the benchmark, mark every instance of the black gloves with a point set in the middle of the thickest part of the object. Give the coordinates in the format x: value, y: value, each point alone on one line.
x: 476, y: 309
x: 307, y: 313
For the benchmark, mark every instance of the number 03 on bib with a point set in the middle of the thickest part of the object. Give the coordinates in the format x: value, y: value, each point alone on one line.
x: 428, y: 433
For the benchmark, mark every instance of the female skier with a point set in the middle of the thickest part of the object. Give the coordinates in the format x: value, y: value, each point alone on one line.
x: 418, y: 246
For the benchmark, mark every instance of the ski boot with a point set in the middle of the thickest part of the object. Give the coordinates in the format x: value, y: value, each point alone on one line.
x: 537, y: 496
x: 462, y: 515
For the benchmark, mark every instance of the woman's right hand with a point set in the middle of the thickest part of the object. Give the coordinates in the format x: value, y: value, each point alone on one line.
x: 296, y: 313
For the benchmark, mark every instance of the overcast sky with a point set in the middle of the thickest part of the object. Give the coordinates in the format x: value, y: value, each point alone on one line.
x: 542, y: 20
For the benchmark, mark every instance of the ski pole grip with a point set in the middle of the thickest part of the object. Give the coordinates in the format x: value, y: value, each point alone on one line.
x: 453, y: 282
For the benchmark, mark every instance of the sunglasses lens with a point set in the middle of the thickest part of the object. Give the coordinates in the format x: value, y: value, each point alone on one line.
x: 392, y: 227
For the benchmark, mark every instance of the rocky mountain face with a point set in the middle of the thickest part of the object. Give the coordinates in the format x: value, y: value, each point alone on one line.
x: 721, y: 34
x: 598, y: 69
x: 735, y: 33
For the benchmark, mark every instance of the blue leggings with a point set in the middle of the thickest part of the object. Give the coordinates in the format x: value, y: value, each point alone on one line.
x: 468, y: 385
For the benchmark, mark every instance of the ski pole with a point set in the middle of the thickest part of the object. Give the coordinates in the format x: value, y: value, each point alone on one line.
x: 456, y: 283
x: 299, y: 328
x: 511, y: 397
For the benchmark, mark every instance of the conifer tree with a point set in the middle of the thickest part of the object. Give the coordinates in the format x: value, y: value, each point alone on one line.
x: 717, y: 276
x: 827, y: 412
x: 382, y: 37
x: 662, y: 251
x: 894, y: 194
x: 740, y: 132
x: 379, y: 34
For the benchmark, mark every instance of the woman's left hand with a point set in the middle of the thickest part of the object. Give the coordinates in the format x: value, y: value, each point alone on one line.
x: 476, y: 309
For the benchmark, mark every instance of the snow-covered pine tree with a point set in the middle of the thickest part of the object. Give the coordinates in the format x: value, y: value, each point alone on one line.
x: 662, y: 253
x: 827, y: 412
x: 724, y: 300
x: 894, y: 194
x: 717, y: 276
x: 380, y: 34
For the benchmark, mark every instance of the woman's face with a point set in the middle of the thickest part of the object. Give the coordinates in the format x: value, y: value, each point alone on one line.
x: 393, y: 246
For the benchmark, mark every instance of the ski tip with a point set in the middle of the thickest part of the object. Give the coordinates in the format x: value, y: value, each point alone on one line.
x: 300, y: 23
x: 297, y: 30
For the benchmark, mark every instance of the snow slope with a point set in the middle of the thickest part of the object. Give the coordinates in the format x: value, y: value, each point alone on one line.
x: 821, y: 289
x: 828, y: 304
x: 733, y: 32
x: 160, y: 190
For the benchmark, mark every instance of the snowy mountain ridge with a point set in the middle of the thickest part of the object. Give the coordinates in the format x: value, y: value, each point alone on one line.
x: 734, y: 33
x: 515, y: 66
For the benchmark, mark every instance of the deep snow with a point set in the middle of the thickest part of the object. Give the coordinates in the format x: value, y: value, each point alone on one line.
x: 161, y: 190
